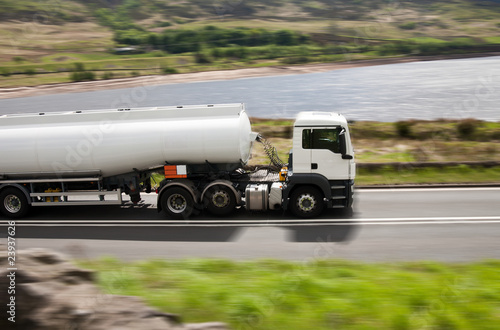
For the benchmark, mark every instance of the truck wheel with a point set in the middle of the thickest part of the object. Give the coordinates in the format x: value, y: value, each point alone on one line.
x: 220, y: 200
x: 306, y: 202
x: 13, y: 203
x: 177, y: 203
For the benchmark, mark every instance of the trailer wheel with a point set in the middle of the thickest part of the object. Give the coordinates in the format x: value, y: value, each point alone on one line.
x: 306, y: 202
x: 220, y: 200
x: 13, y: 203
x: 177, y: 203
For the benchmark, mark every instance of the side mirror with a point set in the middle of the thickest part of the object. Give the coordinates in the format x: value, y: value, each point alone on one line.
x: 343, y: 145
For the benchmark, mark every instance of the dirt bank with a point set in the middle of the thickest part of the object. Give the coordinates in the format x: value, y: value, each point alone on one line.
x: 213, y: 75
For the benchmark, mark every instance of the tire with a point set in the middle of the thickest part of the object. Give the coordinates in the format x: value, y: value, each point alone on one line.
x: 13, y: 203
x: 306, y: 202
x: 219, y: 200
x: 177, y: 203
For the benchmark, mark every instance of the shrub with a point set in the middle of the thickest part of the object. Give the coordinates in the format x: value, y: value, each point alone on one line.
x: 285, y: 38
x: 202, y: 58
x: 80, y: 74
x: 467, y: 128
x: 272, y: 52
x: 30, y: 72
x: 395, y: 48
x: 495, y: 135
x: 164, y: 24
x: 403, y: 129
x: 216, y: 53
x: 408, y: 26
x: 168, y: 70
x: 18, y: 59
x: 5, y: 72
x: 79, y: 67
x: 431, y: 48
x: 236, y: 52
x: 108, y: 75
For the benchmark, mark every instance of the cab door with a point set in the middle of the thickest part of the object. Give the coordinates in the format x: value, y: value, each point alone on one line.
x: 324, y: 144
x: 301, y: 152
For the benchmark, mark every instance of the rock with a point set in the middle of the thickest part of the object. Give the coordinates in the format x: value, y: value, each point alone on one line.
x: 206, y: 326
x: 52, y: 293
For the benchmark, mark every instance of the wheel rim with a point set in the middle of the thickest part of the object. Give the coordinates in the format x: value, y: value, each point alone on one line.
x: 176, y: 203
x: 306, y: 203
x: 12, y: 203
x: 220, y: 198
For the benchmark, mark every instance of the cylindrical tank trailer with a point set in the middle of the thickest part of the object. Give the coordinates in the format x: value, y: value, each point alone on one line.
x: 114, y: 142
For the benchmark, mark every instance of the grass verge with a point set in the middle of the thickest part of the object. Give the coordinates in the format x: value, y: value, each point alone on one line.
x: 322, y: 294
x: 389, y: 175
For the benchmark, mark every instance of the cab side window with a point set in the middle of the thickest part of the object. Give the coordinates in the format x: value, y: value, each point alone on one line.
x: 324, y: 138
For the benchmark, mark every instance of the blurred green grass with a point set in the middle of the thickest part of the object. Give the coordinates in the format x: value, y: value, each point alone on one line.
x: 389, y: 175
x: 320, y: 294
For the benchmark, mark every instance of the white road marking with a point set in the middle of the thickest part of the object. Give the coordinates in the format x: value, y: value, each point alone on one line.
x: 425, y: 189
x: 255, y: 223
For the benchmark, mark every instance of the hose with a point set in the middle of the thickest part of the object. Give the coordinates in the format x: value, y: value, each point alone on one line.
x: 270, y: 151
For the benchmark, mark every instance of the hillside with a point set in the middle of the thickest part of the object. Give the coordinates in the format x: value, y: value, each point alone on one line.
x: 40, y: 41
x: 360, y: 18
x: 420, y: 15
x: 195, y: 10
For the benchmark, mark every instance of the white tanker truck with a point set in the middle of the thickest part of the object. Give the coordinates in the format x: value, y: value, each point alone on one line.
x: 93, y: 157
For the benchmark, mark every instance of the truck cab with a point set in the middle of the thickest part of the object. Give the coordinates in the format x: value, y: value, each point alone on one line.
x: 321, y: 166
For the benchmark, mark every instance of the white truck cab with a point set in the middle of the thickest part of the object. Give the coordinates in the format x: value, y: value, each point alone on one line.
x: 322, y: 145
x: 321, y: 166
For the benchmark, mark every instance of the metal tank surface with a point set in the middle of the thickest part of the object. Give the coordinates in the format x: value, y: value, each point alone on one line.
x: 114, y: 142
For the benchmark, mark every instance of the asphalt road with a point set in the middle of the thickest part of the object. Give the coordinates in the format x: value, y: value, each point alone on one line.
x: 451, y: 224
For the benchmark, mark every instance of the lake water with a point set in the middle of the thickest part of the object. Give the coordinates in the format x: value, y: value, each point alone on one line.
x: 461, y: 88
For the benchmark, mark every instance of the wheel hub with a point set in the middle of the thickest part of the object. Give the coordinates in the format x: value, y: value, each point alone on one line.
x: 176, y: 203
x: 220, y: 198
x: 306, y: 203
x: 12, y: 203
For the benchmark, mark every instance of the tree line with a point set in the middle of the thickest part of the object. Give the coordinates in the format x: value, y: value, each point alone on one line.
x: 184, y: 41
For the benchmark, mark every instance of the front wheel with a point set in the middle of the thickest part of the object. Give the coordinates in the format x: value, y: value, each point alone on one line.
x: 306, y: 202
x: 13, y: 203
x: 177, y: 203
